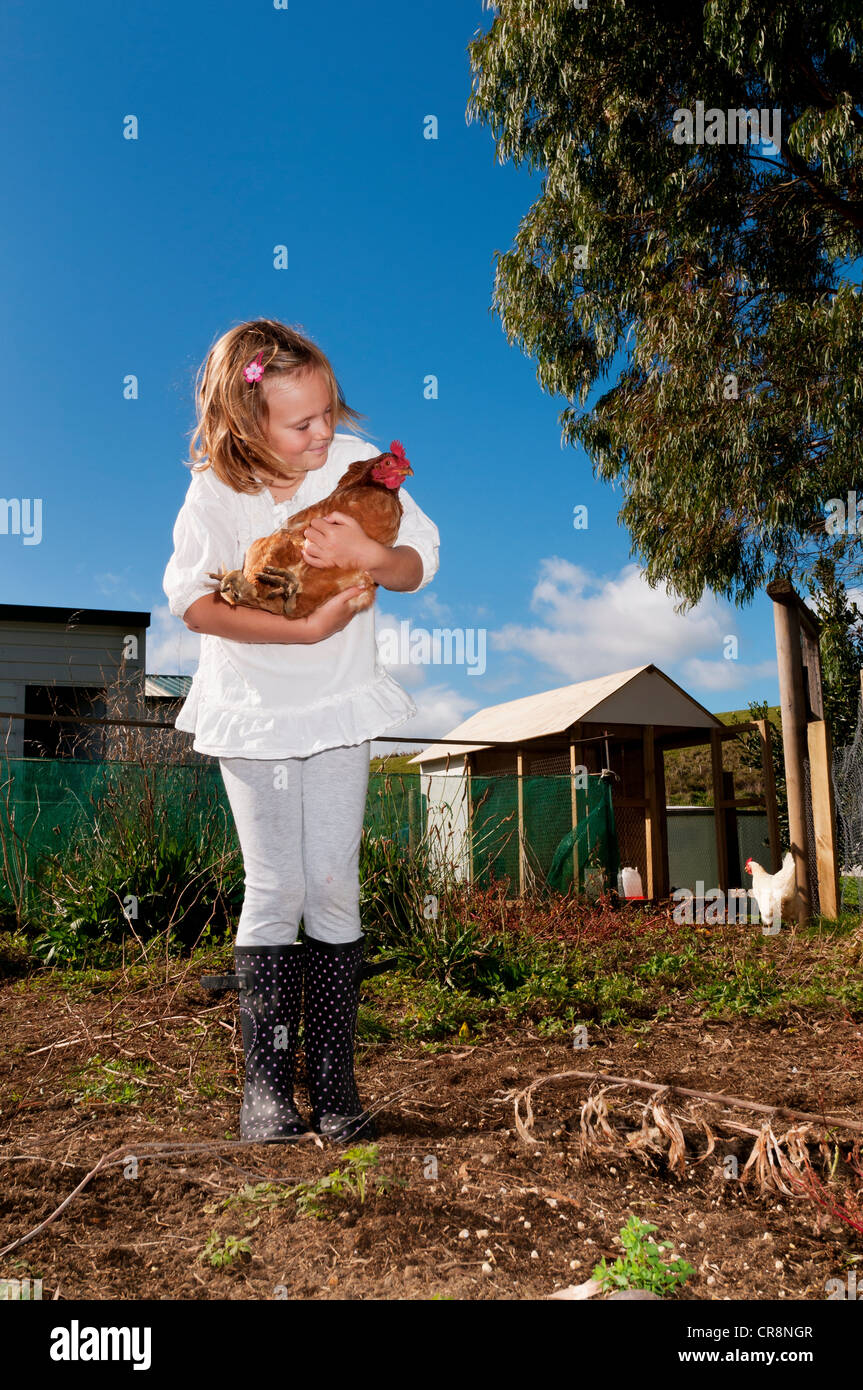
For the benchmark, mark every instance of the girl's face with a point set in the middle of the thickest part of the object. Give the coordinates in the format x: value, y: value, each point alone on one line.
x: 300, y: 425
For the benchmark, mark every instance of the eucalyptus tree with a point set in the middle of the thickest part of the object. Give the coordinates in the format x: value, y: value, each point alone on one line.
x: 692, y: 253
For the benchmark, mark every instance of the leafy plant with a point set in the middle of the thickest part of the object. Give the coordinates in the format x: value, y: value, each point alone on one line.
x: 641, y: 1265
x: 222, y: 1254
x: 314, y: 1195
x: 138, y: 866
x: 254, y: 1195
x: 752, y: 987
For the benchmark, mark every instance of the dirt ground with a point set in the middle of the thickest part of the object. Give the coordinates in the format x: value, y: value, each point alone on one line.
x: 538, y: 1215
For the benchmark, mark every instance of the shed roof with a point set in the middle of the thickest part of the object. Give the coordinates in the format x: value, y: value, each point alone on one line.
x: 72, y: 617
x: 641, y: 695
x: 167, y: 687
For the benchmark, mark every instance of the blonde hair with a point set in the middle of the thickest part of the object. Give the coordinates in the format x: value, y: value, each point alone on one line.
x: 232, y: 411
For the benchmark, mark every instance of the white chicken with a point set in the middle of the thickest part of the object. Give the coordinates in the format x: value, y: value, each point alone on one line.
x: 775, y: 894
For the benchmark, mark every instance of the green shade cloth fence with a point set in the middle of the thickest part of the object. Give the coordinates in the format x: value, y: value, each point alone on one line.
x: 555, y: 851
x: 45, y: 804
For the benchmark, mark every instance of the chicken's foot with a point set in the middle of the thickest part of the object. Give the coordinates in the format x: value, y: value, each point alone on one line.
x: 283, y: 582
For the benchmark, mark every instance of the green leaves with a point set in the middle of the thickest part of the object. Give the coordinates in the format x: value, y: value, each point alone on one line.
x: 641, y: 1266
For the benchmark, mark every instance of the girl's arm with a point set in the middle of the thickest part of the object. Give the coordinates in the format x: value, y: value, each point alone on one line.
x: 339, y: 539
x: 212, y: 615
x: 397, y: 567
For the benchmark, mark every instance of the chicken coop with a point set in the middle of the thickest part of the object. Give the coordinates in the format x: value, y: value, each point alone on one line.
x: 566, y: 785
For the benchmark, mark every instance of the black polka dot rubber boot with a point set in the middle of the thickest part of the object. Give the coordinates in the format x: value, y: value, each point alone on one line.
x: 271, y: 987
x: 332, y: 994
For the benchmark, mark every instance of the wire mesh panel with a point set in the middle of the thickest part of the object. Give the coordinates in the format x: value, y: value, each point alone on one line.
x: 848, y: 787
x: 46, y: 803
x: 692, y: 844
x: 547, y: 763
x: 589, y: 848
x: 547, y: 810
x: 632, y: 839
x: 494, y: 829
x: 554, y: 851
x: 692, y: 847
x: 396, y: 807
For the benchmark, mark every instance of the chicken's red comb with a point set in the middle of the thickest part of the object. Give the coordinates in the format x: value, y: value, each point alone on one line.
x: 397, y: 448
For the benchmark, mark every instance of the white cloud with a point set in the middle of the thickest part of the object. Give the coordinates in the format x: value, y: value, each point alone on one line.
x: 427, y: 649
x: 172, y: 650
x: 592, y: 625
x: 725, y: 675
x: 114, y: 585
x: 430, y: 606
x: 408, y: 674
x: 439, y: 708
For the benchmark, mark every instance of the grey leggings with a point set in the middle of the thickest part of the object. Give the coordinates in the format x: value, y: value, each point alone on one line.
x: 299, y: 822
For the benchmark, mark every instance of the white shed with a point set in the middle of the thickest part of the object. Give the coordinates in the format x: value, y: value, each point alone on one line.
x: 60, y: 661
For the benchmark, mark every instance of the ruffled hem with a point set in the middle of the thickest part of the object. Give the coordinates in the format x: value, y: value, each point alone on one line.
x: 353, y: 716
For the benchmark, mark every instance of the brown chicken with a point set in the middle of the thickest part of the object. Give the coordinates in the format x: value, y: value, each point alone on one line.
x: 276, y: 578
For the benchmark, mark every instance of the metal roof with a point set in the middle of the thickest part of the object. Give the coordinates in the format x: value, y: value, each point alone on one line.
x: 72, y: 617
x: 641, y: 695
x: 167, y: 687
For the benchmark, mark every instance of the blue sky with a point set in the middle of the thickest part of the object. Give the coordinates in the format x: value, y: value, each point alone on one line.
x: 302, y: 127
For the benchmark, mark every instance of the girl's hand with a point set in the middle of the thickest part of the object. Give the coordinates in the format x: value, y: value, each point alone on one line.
x: 331, y: 617
x: 339, y: 541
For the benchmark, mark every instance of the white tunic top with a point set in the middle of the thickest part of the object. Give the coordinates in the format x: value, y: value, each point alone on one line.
x: 273, y: 700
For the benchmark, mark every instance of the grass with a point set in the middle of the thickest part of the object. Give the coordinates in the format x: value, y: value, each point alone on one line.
x: 608, y: 969
x: 115, y: 1082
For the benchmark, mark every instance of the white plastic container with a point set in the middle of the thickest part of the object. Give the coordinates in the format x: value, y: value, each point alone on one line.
x: 629, y: 883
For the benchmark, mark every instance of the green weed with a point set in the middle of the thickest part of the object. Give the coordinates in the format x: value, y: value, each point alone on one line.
x: 315, y: 1197
x: 222, y: 1254
x: 641, y: 1266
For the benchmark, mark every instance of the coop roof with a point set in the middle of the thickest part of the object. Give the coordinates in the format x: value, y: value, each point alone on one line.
x: 642, y: 695
x: 167, y: 687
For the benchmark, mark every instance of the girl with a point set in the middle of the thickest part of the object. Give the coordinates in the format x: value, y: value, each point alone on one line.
x: 289, y: 707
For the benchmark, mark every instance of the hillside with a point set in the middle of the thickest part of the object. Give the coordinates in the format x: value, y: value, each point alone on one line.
x: 688, y: 779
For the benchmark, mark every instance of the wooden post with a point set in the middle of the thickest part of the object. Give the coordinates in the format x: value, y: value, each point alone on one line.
x: 664, y: 886
x: 786, y: 621
x: 824, y: 817
x: 769, y: 783
x: 573, y: 764
x: 719, y: 810
x: 652, y: 829
x: 519, y: 759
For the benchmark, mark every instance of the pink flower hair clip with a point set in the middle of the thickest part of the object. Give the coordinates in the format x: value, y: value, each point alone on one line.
x: 253, y: 371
